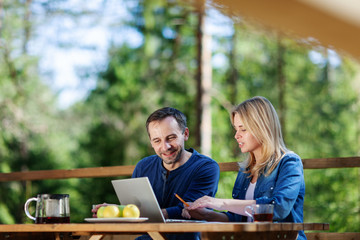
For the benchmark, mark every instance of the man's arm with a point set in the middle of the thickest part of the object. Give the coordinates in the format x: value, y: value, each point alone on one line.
x: 205, y: 181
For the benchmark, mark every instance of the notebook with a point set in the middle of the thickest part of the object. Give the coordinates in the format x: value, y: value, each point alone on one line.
x: 138, y: 191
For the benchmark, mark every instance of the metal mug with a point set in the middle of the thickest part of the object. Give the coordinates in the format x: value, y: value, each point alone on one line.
x: 50, y: 208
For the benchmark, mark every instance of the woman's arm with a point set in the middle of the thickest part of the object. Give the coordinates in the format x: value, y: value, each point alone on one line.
x: 232, y: 205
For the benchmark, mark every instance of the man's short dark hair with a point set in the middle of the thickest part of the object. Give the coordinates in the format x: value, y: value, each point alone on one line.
x: 165, y: 112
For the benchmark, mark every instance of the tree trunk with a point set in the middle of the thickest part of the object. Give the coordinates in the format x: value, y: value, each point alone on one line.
x: 204, y: 82
x: 281, y: 86
x: 1, y: 14
x: 232, y: 80
x: 27, y: 25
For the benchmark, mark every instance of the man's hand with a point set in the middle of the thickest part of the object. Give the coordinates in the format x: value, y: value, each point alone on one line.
x: 96, y: 208
x: 164, y: 212
x: 202, y: 209
x: 198, y: 213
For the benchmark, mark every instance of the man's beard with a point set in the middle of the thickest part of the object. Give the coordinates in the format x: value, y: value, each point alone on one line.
x: 177, y: 158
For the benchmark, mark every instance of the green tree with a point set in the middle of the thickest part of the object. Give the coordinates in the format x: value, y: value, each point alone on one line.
x: 32, y: 135
x: 319, y: 107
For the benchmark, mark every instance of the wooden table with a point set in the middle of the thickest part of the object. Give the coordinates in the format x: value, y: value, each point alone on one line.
x: 211, y: 231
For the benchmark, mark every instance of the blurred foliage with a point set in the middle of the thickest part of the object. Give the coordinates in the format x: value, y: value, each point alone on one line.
x: 320, y: 113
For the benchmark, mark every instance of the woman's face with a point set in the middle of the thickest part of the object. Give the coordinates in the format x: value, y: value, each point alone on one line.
x: 247, y: 142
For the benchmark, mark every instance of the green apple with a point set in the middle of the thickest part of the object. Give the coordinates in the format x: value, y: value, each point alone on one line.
x: 121, y: 208
x: 100, y: 212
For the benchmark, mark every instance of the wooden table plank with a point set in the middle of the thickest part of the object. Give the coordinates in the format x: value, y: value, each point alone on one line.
x: 285, y: 235
x: 162, y: 227
x: 156, y: 230
x: 96, y: 237
x: 34, y: 236
x: 156, y: 236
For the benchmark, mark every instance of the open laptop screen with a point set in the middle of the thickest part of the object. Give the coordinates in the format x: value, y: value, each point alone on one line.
x: 138, y: 191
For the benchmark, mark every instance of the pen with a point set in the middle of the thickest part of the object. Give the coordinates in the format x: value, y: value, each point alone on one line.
x: 185, y: 203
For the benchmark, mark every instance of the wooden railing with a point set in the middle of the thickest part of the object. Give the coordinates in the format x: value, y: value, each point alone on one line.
x: 311, y: 163
x: 113, y: 171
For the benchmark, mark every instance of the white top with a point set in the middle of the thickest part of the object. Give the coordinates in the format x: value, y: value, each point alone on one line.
x: 250, y: 195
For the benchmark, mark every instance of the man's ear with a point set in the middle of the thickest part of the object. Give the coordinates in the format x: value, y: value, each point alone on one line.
x: 186, y: 134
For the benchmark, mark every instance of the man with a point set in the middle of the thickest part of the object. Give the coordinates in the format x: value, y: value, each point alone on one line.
x: 175, y: 169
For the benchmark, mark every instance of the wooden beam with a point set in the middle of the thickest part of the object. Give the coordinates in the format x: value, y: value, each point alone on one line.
x: 229, y: 166
x: 332, y: 236
x: 341, y: 162
x: 127, y: 170
x: 113, y: 171
x: 310, y: 163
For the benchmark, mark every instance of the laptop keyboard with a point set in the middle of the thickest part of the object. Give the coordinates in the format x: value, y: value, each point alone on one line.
x: 183, y: 220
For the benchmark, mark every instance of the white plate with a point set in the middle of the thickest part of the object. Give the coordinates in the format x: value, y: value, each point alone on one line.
x: 115, y: 220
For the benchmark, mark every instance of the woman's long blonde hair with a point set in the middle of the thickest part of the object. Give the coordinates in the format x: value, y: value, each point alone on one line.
x: 259, y: 117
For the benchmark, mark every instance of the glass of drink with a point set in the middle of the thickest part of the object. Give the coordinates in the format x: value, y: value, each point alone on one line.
x: 260, y: 212
x: 50, y: 208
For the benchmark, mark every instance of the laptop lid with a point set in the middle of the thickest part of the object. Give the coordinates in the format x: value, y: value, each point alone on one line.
x: 138, y: 191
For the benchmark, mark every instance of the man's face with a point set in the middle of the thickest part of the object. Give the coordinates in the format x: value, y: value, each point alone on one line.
x: 168, y: 140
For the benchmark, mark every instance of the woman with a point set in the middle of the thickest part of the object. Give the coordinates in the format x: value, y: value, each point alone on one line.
x: 271, y: 175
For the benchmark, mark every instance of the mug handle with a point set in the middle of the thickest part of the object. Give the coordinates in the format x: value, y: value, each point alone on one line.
x: 26, y: 207
x: 248, y: 212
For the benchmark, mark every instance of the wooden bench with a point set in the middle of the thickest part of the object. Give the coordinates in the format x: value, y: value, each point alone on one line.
x: 113, y: 171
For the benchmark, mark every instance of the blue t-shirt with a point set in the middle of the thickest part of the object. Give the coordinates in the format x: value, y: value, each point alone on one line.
x: 199, y: 176
x: 284, y: 187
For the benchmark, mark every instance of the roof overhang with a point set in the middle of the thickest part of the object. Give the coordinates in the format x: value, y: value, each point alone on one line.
x: 333, y: 23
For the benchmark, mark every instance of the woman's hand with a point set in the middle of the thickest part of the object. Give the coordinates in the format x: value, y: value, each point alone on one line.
x: 206, y: 202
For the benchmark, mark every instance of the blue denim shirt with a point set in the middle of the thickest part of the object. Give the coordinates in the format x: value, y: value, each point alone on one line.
x: 284, y: 187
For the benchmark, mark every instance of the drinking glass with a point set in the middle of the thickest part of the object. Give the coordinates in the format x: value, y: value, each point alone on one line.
x: 260, y: 212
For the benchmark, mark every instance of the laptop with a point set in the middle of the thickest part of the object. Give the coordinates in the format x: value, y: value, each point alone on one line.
x: 138, y: 191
